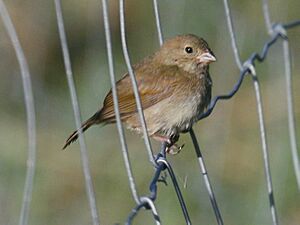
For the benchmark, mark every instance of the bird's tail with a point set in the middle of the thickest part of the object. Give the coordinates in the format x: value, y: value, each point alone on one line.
x: 95, y: 119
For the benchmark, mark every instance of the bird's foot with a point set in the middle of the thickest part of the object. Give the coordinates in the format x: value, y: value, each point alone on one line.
x: 174, y: 149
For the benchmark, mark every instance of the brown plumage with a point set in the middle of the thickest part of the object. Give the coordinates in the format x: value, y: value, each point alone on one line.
x: 174, y: 85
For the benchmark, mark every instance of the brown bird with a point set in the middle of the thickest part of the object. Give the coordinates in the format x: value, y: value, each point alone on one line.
x: 174, y: 86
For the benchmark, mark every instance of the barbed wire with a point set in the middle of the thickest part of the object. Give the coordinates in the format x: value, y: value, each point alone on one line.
x: 276, y: 31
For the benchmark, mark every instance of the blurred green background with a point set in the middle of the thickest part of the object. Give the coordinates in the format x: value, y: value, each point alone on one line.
x: 229, y: 138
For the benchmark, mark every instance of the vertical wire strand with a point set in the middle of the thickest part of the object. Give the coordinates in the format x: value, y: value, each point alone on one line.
x: 83, y: 150
x: 232, y: 35
x: 266, y: 11
x: 124, y: 147
x: 290, y: 107
x: 170, y: 170
x: 289, y: 92
x: 260, y: 113
x: 30, y: 114
x: 194, y: 139
x: 265, y: 149
x: 206, y: 178
x: 157, y: 21
x: 134, y: 84
x: 177, y: 190
x: 268, y: 23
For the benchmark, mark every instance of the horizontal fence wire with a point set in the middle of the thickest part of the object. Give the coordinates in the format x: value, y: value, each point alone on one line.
x: 30, y: 114
x: 84, y: 155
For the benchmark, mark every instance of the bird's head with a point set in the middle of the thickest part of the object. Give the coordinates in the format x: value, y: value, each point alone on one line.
x: 188, y: 52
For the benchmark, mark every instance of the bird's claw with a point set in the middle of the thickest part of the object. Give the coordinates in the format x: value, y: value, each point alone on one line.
x: 174, y: 149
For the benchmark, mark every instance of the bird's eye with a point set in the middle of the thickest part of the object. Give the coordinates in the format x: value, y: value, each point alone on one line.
x: 189, y: 50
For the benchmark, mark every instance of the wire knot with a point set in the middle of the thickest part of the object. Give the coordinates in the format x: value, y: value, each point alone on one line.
x: 248, y: 65
x: 278, y: 28
x: 149, y: 205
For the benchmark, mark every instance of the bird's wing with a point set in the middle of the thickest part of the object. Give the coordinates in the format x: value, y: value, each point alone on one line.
x: 153, y: 86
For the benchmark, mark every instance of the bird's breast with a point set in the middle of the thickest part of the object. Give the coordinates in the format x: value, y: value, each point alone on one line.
x: 178, y: 112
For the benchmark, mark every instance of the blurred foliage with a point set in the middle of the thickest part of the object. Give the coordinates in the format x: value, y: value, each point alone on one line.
x: 229, y: 137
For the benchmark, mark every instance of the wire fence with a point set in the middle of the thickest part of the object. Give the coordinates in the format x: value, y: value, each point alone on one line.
x: 276, y: 31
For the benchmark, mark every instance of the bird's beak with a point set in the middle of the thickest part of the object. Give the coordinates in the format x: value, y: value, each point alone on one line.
x: 206, y: 57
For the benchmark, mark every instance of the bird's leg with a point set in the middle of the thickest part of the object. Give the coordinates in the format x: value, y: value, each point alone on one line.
x: 172, y: 147
x: 162, y: 138
x: 174, y: 138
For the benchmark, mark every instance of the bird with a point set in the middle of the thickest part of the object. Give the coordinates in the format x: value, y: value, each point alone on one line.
x: 174, y: 86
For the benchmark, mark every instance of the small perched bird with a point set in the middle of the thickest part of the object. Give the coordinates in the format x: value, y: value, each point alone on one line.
x: 174, y: 86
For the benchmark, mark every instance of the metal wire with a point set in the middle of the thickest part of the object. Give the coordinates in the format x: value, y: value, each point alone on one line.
x: 83, y: 150
x: 206, y: 178
x: 162, y: 164
x: 124, y: 147
x: 157, y: 21
x: 134, y: 83
x: 251, y: 69
x: 267, y: 17
x: 276, y: 31
x: 291, y: 112
x: 246, y: 68
x: 152, y: 187
x: 278, y: 28
x: 193, y: 136
x: 153, y: 209
x: 232, y: 35
x: 254, y: 57
x: 147, y: 203
x: 164, y: 161
x: 264, y: 144
x: 30, y: 113
x: 291, y: 24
